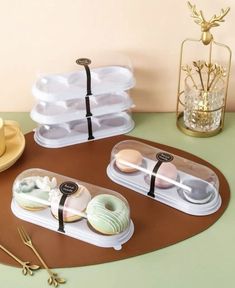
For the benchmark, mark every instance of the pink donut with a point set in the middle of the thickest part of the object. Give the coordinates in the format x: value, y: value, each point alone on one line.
x: 74, y: 204
x: 168, y: 170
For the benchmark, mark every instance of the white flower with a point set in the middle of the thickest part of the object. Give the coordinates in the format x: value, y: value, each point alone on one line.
x: 54, y: 194
x: 45, y: 184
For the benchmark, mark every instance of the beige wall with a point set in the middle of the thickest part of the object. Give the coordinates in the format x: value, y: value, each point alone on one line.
x: 48, y: 35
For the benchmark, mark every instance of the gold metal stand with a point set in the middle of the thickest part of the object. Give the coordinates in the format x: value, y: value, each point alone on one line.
x: 214, y: 72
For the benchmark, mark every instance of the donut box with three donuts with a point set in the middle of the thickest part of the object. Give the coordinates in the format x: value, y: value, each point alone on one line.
x: 175, y: 181
x: 90, y: 103
x: 81, y: 210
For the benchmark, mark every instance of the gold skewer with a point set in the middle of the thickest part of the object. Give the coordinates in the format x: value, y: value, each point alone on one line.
x: 53, y: 279
x: 26, y: 267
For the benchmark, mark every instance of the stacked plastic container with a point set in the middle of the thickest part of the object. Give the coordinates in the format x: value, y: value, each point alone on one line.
x: 88, y: 104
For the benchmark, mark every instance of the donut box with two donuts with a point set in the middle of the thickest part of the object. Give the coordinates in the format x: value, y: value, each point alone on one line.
x: 81, y: 210
x: 87, y: 104
x: 175, y: 181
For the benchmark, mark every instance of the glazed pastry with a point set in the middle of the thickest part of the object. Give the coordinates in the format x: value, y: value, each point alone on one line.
x: 131, y: 156
x: 73, y: 206
x: 32, y: 193
x: 168, y: 170
x: 108, y: 214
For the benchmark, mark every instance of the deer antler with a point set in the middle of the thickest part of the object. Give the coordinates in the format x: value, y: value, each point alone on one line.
x: 207, y: 25
x: 219, y: 18
x: 198, y: 16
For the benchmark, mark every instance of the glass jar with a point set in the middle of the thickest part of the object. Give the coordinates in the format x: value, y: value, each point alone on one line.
x: 203, y: 109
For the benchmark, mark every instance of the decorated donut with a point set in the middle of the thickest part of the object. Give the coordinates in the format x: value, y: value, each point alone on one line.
x: 108, y: 214
x: 74, y: 204
x: 32, y: 193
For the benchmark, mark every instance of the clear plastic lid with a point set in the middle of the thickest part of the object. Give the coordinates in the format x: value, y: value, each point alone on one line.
x: 105, y: 75
x: 79, y: 131
x: 74, y: 109
x: 170, y: 179
x: 81, y: 210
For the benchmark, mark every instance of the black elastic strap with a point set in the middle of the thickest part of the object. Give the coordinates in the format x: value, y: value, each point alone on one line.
x: 89, y: 125
x: 153, y: 177
x: 88, y: 107
x: 85, y: 62
x: 60, y: 213
x: 88, y: 80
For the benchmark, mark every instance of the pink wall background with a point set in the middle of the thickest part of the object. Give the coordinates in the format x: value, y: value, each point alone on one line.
x: 48, y: 35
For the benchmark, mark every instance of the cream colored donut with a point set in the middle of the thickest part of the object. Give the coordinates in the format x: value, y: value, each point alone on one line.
x: 131, y: 156
x: 108, y: 214
x: 73, y: 206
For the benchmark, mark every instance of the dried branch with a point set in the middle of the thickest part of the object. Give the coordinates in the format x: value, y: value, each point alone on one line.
x: 199, y: 65
x: 210, y: 69
x: 188, y: 70
x: 211, y: 73
x: 218, y: 74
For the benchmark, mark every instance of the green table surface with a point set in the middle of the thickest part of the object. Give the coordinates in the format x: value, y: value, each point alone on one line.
x: 205, y: 260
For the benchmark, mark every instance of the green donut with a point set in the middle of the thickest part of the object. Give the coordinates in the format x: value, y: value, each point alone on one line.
x: 29, y: 196
x: 108, y: 214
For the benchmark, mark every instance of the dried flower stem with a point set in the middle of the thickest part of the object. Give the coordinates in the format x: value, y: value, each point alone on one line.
x: 215, y: 81
x: 194, y: 83
x: 188, y: 70
x: 218, y: 72
x: 208, y: 79
x: 199, y: 65
x: 210, y: 68
x: 200, y: 75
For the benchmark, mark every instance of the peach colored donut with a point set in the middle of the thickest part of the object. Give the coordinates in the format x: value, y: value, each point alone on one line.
x: 128, y: 155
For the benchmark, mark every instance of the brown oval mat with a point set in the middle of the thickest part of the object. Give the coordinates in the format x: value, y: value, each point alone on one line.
x: 156, y: 225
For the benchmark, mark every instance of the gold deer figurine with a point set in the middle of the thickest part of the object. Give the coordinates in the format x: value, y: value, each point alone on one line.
x: 207, y: 25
